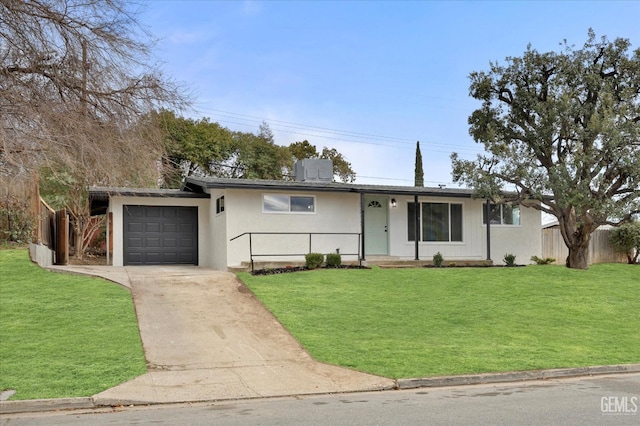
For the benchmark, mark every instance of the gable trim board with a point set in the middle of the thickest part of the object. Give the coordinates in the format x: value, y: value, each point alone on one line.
x: 337, y: 207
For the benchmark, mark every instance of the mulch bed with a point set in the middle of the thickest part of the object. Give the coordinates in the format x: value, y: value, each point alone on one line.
x: 289, y: 269
x: 473, y: 266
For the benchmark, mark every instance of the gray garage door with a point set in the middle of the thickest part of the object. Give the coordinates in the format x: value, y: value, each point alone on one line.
x: 160, y: 235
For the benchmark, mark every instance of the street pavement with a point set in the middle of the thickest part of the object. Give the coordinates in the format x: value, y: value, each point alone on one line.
x: 601, y: 400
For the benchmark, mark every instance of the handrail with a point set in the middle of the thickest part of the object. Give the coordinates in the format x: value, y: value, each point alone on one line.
x: 294, y: 233
x: 310, y: 234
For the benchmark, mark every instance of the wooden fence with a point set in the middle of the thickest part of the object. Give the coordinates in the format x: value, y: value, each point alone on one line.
x: 45, y: 224
x: 600, y: 249
x: 52, y: 227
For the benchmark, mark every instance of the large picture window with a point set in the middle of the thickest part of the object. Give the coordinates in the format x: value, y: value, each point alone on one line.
x: 501, y: 214
x: 436, y: 221
x: 277, y: 203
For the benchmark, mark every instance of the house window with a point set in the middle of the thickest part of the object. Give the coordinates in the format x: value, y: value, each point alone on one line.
x: 437, y: 222
x: 219, y: 205
x: 501, y: 214
x: 411, y: 221
x: 276, y: 203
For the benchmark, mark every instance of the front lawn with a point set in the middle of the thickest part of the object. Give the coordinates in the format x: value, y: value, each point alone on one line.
x: 405, y: 323
x: 63, y: 335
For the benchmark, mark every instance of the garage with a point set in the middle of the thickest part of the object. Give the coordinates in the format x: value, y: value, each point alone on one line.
x: 160, y: 235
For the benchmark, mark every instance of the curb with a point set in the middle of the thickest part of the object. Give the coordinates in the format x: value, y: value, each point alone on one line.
x: 39, y: 405
x: 42, y: 405
x: 516, y: 376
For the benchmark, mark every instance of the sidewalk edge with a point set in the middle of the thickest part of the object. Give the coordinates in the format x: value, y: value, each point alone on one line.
x: 516, y: 376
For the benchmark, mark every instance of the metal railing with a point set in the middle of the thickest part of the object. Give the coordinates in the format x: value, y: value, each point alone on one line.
x: 310, y: 234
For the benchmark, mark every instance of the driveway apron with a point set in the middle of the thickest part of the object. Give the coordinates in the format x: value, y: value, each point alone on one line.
x: 206, y: 337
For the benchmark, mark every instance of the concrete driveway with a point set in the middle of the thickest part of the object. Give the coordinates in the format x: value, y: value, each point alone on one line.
x: 206, y: 337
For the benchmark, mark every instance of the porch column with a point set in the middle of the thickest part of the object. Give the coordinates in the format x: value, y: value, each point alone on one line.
x: 416, y: 221
x: 488, y: 209
x: 108, y: 230
x: 362, y: 224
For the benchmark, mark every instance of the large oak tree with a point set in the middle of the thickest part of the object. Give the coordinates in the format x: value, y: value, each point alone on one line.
x: 561, y: 131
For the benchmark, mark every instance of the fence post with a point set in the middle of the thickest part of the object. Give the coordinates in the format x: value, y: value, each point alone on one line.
x: 35, y: 209
x: 62, y: 237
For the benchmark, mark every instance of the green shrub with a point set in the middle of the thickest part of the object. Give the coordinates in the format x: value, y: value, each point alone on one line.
x: 542, y: 261
x: 438, y: 259
x: 334, y: 260
x: 314, y: 260
x: 16, y: 223
x: 509, y: 259
x: 626, y: 239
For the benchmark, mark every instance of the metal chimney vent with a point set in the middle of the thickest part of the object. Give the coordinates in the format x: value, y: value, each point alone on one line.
x: 314, y: 170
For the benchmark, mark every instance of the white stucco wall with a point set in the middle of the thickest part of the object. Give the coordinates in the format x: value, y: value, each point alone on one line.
x: 116, y: 207
x: 523, y: 241
x: 218, y: 232
x: 334, y: 212
x: 472, y: 236
x: 339, y: 212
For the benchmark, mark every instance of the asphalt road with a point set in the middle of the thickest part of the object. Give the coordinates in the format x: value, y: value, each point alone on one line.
x: 601, y: 400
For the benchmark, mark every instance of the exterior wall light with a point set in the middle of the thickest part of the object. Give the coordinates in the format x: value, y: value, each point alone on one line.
x: 393, y: 202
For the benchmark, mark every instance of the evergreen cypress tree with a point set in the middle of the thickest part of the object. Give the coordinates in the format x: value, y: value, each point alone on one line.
x: 419, y: 173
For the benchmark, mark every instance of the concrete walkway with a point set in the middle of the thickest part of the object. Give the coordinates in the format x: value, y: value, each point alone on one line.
x: 206, y: 337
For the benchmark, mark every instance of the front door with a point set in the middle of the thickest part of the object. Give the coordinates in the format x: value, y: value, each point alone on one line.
x: 376, y: 224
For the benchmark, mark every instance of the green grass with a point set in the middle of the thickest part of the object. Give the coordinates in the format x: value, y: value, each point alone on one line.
x: 404, y: 323
x: 63, y: 335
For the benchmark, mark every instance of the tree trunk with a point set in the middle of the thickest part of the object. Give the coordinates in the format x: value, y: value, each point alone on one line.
x: 576, y: 235
x: 78, y: 236
x: 578, y: 257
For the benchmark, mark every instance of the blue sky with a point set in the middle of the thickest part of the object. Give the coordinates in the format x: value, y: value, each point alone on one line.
x: 367, y: 78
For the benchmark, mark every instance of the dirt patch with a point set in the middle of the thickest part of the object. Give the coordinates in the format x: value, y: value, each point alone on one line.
x: 90, y: 258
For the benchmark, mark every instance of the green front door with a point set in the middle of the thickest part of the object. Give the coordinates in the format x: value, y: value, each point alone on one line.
x: 376, y: 224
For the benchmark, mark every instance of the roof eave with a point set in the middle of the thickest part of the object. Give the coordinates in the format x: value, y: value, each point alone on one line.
x: 201, y: 184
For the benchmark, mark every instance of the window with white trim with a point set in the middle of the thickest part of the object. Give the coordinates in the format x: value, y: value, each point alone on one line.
x: 220, y: 204
x: 501, y: 214
x: 436, y: 221
x: 281, y: 203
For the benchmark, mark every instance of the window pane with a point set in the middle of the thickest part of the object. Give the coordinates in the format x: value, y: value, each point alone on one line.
x: 435, y: 222
x: 276, y: 203
x: 302, y: 204
x: 411, y: 224
x: 456, y: 222
x: 494, y: 212
x: 510, y: 214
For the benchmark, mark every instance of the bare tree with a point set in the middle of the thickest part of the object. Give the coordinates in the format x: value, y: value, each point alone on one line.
x: 76, y: 76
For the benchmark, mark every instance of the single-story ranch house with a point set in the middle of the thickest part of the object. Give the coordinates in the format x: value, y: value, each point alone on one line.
x: 228, y: 223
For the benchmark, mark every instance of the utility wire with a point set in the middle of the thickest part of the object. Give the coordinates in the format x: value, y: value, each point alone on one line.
x: 351, y: 140
x: 347, y: 133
